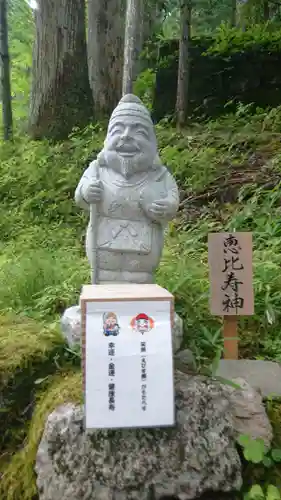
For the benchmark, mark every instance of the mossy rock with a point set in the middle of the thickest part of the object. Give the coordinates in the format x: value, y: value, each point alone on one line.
x: 28, y: 352
x: 18, y: 481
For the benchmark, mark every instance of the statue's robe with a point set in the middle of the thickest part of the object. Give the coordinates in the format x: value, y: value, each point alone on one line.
x: 129, y: 241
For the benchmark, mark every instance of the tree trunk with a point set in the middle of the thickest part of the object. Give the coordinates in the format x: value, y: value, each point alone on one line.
x: 106, y: 22
x: 183, y: 66
x: 5, y: 74
x: 61, y: 97
x: 266, y: 11
x: 133, y: 43
x: 233, y: 19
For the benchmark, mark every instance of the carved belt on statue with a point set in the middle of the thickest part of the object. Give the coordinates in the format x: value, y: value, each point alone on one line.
x: 124, y: 236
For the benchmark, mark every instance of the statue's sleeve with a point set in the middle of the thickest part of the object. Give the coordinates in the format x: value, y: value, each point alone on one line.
x: 173, y: 195
x: 85, y: 179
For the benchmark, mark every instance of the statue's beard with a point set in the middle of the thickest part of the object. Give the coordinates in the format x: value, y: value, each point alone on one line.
x: 128, y: 166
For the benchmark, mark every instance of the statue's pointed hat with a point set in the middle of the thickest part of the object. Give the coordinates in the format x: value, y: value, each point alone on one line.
x: 131, y: 105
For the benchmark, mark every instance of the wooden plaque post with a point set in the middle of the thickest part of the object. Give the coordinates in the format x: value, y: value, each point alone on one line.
x: 231, y: 282
x: 230, y: 337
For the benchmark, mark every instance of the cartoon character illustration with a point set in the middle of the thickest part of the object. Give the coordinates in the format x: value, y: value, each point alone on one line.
x: 142, y: 323
x: 110, y: 324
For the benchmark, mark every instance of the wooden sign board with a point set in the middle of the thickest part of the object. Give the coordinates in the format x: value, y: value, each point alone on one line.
x: 231, y: 274
x: 127, y: 356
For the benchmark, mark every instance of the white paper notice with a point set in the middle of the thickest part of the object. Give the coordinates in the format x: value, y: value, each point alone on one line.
x: 128, y: 365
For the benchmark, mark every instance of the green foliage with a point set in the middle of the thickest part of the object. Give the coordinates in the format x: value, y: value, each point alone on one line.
x: 41, y: 229
x: 255, y: 451
x: 258, y: 493
x: 21, y: 37
x: 237, y: 60
x: 38, y: 181
x: 144, y: 87
x: 171, y: 25
x: 254, y: 12
x: 234, y: 141
x: 206, y: 16
x: 229, y: 40
x: 42, y: 280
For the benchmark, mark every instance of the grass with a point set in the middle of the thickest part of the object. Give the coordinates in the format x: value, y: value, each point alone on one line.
x: 42, y: 280
x: 229, y: 174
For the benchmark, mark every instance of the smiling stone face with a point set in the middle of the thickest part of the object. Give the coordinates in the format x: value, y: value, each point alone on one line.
x: 128, y: 138
x: 130, y: 145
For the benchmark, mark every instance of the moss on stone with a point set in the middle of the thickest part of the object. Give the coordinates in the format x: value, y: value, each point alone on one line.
x: 27, y: 353
x: 21, y: 341
x: 18, y: 481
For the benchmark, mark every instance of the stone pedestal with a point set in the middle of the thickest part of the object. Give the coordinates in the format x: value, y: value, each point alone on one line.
x: 71, y: 328
x: 183, y: 462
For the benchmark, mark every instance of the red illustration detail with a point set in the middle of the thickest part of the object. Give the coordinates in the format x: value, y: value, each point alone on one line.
x: 142, y: 323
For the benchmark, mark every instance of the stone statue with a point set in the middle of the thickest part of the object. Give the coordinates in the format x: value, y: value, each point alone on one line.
x: 134, y: 195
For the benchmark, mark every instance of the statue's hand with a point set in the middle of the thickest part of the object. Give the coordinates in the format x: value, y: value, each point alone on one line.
x: 93, y: 192
x: 158, y: 210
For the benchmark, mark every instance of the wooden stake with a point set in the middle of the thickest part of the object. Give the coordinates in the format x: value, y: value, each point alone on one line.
x: 230, y: 337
